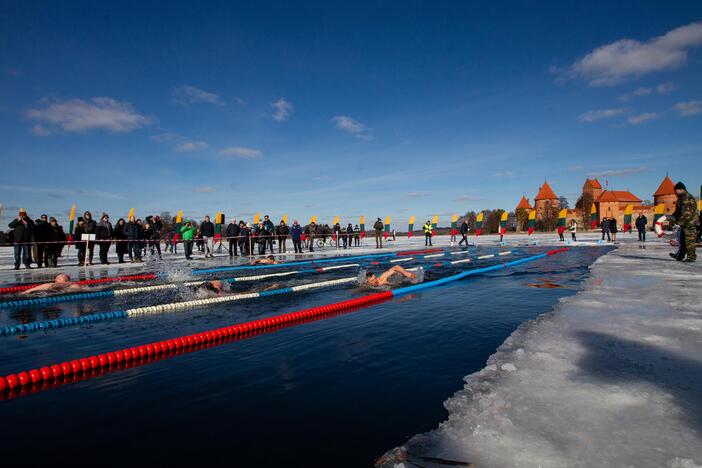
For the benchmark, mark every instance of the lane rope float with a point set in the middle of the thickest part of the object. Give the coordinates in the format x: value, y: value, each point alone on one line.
x: 138, y: 355
x: 112, y: 279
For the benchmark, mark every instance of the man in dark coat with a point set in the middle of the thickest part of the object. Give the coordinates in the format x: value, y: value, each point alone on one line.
x: 464, y: 232
x: 90, y: 228
x: 232, y: 235
x: 22, y: 232
x: 56, y: 238
x: 207, y: 232
x: 104, y: 233
x: 641, y: 222
x: 41, y: 236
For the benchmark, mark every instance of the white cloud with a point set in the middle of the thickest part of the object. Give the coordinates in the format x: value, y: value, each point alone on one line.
x: 166, y: 137
x: 191, y: 95
x: 352, y: 126
x: 80, y: 116
x: 241, y: 152
x: 665, y: 88
x: 637, y: 119
x: 688, y: 109
x: 190, y: 146
x: 619, y: 172
x: 468, y: 198
x: 642, y: 91
x: 595, y: 115
x: 205, y: 189
x: 283, y: 109
x: 628, y: 58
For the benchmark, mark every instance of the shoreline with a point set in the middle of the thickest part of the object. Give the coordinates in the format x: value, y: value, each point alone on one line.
x: 610, y: 377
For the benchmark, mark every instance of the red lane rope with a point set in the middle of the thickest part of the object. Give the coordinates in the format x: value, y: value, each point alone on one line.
x: 112, y: 279
x: 417, y: 252
x: 25, y: 382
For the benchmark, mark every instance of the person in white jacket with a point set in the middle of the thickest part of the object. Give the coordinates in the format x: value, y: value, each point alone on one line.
x: 573, y: 226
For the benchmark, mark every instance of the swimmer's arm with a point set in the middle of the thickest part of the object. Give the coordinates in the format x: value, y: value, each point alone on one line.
x: 41, y: 287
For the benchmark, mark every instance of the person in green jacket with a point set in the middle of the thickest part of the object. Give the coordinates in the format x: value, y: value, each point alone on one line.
x: 188, y: 233
x: 378, y: 228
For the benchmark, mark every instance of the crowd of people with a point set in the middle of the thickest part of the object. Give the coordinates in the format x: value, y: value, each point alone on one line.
x: 43, y: 241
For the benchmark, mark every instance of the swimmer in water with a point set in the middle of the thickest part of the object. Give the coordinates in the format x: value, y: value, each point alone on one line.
x: 269, y: 260
x: 62, y: 282
x: 210, y: 287
x: 385, y: 278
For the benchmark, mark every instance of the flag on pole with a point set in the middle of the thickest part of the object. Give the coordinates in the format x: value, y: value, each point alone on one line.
x: 434, y: 223
x: 285, y: 219
x: 593, y: 217
x: 562, y: 215
x: 71, y: 220
x: 219, y: 220
x: 454, y: 224
x: 658, y: 212
x: 131, y: 214
x: 410, y: 226
x: 628, y: 211
x: 531, y: 222
x: 362, y: 222
x: 178, y: 225
x: 313, y: 219
x: 387, y: 227
x: 257, y: 218
x: 336, y: 220
x: 479, y: 224
x: 503, y: 223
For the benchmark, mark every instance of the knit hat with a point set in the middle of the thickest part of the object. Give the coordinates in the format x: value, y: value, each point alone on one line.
x: 680, y: 186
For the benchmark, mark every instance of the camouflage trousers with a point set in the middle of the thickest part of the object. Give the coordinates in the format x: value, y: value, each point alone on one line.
x: 689, y: 237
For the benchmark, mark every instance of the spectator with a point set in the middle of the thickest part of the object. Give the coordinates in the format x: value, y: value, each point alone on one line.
x: 270, y: 228
x: 573, y: 227
x: 686, y: 216
x: 428, y: 232
x: 22, y: 232
x: 104, y: 233
x: 296, y: 235
x: 378, y: 228
x: 604, y: 225
x: 56, y: 238
x: 263, y: 235
x: 244, y: 233
x: 41, y: 236
x: 641, y: 222
x: 613, y: 228
x: 207, y: 233
x: 356, y: 236
x: 169, y: 241
x: 464, y: 232
x: 337, y: 234
x: 155, y: 237
x: 281, y: 233
x: 134, y: 232
x: 349, y: 235
x: 232, y: 235
x: 80, y: 242
x: 121, y: 246
x: 312, y: 230
x: 90, y: 227
x: 188, y: 233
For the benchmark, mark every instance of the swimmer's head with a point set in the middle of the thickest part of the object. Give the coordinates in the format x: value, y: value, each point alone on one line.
x: 62, y: 278
x: 271, y: 257
x: 369, y: 275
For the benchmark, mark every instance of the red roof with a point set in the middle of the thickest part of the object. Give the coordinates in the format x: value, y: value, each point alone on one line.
x: 524, y: 204
x: 546, y: 193
x: 667, y: 187
x: 620, y: 196
x: 594, y: 183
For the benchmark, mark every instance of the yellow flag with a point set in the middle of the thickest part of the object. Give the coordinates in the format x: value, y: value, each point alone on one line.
x: 313, y: 219
x: 660, y: 209
x: 387, y: 220
x: 336, y: 220
x: 629, y: 209
x: 285, y: 219
x: 257, y: 218
x: 179, y: 217
x: 532, y: 214
x: 504, y: 216
x: 218, y: 218
x: 480, y: 217
x: 435, y: 220
x: 454, y: 218
x: 131, y: 214
x: 362, y: 220
x: 411, y: 220
x: 563, y: 213
x: 73, y: 213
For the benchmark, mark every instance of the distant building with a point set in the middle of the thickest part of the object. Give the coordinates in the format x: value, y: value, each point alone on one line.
x: 666, y: 195
x: 524, y: 204
x: 545, y: 199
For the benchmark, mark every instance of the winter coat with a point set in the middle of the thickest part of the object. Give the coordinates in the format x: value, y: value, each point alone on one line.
x: 427, y: 229
x: 613, y: 225
x: 133, y: 231
x: 90, y: 225
x: 232, y: 231
x: 56, y: 234
x: 270, y: 227
x: 641, y: 222
x: 464, y: 228
x: 119, y: 235
x: 282, y: 230
x: 573, y: 226
x: 207, y: 229
x: 188, y: 232
x: 104, y: 230
x: 41, y: 231
x: 686, y: 213
x: 296, y: 232
x: 605, y: 225
x: 378, y: 226
x: 22, y: 232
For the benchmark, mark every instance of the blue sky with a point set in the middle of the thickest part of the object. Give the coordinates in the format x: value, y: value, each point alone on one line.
x: 375, y: 108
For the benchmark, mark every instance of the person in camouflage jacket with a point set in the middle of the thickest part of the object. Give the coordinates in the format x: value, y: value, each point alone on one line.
x: 686, y: 217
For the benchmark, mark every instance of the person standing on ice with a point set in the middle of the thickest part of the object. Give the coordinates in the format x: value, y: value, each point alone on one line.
x: 641, y: 222
x: 604, y: 225
x: 120, y: 236
x: 244, y: 238
x: 188, y: 233
x: 281, y: 235
x: 312, y: 228
x: 686, y: 217
x: 296, y: 235
x: 349, y: 234
x: 378, y: 228
x: 207, y: 232
x: 232, y: 235
x: 134, y: 233
x: 270, y: 227
x: 90, y: 228
x: 613, y: 228
x: 427, y: 228
x: 464, y: 232
x: 22, y: 230
x: 573, y: 227
x: 356, y: 236
x: 104, y: 233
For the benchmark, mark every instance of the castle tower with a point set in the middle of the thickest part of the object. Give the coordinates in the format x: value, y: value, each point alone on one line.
x: 524, y: 204
x: 593, y: 188
x: 546, y: 200
x: 666, y: 195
